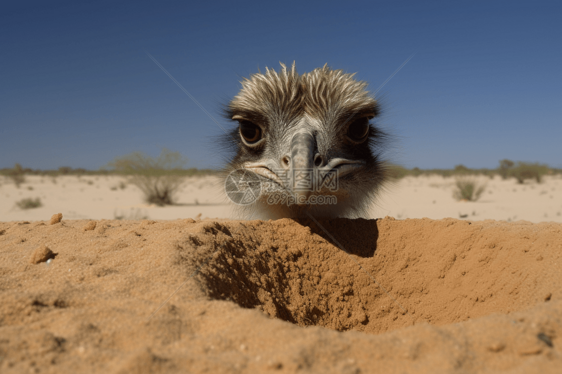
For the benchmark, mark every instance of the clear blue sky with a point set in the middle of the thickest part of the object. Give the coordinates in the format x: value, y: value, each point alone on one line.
x: 77, y: 88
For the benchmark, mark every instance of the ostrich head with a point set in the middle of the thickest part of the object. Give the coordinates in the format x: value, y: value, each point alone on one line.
x: 311, y: 142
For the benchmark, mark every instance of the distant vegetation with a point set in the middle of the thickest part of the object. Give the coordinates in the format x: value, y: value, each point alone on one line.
x: 158, y: 178
x: 467, y: 188
x: 523, y: 171
x: 132, y: 215
x: 29, y: 203
x: 520, y: 171
x: 18, y: 173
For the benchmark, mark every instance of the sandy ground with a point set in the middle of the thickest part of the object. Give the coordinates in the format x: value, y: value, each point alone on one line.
x: 227, y: 296
x: 412, y: 197
x: 217, y: 295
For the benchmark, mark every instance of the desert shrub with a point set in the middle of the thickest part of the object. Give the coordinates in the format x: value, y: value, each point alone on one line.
x: 468, y: 189
x: 29, y: 203
x: 440, y: 172
x: 158, y: 178
x: 416, y: 172
x: 132, y: 215
x: 524, y: 171
x: 461, y: 169
x: 505, y: 168
x: 121, y: 185
x: 397, y: 171
x: 65, y: 170
x: 17, y: 175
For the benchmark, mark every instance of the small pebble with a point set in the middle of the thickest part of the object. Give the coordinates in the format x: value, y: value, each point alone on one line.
x: 42, y: 254
x: 89, y: 226
x: 56, y: 218
x: 496, y: 347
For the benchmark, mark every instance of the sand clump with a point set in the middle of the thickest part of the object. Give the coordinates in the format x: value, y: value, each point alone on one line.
x: 56, y: 218
x: 226, y: 296
x: 89, y: 226
x: 42, y: 254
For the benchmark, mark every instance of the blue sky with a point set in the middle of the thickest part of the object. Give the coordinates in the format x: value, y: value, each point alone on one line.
x: 78, y: 89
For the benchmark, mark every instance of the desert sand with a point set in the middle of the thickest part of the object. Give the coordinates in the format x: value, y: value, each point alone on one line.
x: 111, y: 197
x: 92, y: 293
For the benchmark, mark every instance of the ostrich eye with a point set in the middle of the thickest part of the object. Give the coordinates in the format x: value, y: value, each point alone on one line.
x: 358, y: 130
x: 250, y: 132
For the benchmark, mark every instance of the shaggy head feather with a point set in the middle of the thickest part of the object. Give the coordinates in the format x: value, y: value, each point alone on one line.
x: 322, y: 121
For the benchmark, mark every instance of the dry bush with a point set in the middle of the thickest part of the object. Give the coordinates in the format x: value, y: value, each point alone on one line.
x: 505, y: 168
x: 468, y: 189
x: 525, y: 170
x: 29, y: 203
x: 397, y: 171
x: 132, y: 215
x: 17, y: 175
x: 158, y: 178
x: 121, y: 185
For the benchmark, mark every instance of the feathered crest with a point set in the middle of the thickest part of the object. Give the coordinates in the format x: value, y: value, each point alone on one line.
x: 332, y: 91
x: 275, y: 93
x: 287, y: 94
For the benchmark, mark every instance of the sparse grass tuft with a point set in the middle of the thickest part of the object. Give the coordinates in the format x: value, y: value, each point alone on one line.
x: 468, y: 189
x: 158, y: 178
x: 132, y: 215
x: 29, y: 203
x: 122, y: 185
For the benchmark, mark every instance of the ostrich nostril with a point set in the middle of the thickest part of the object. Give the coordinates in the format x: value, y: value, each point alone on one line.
x: 285, y: 161
x: 318, y: 160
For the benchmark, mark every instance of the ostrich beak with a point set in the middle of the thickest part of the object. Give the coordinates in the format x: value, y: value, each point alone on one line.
x: 302, y: 173
x: 301, y: 177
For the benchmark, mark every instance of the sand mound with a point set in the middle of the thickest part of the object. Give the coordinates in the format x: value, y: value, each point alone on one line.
x: 233, y: 296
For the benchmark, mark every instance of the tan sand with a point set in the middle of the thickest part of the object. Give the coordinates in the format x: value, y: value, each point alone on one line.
x: 432, y: 197
x: 222, y: 296
x: 102, y: 197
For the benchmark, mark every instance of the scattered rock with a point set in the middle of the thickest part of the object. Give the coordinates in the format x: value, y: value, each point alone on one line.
x: 101, y: 228
x: 90, y: 226
x: 545, y: 339
x: 56, y: 218
x: 42, y: 254
x: 496, y: 347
